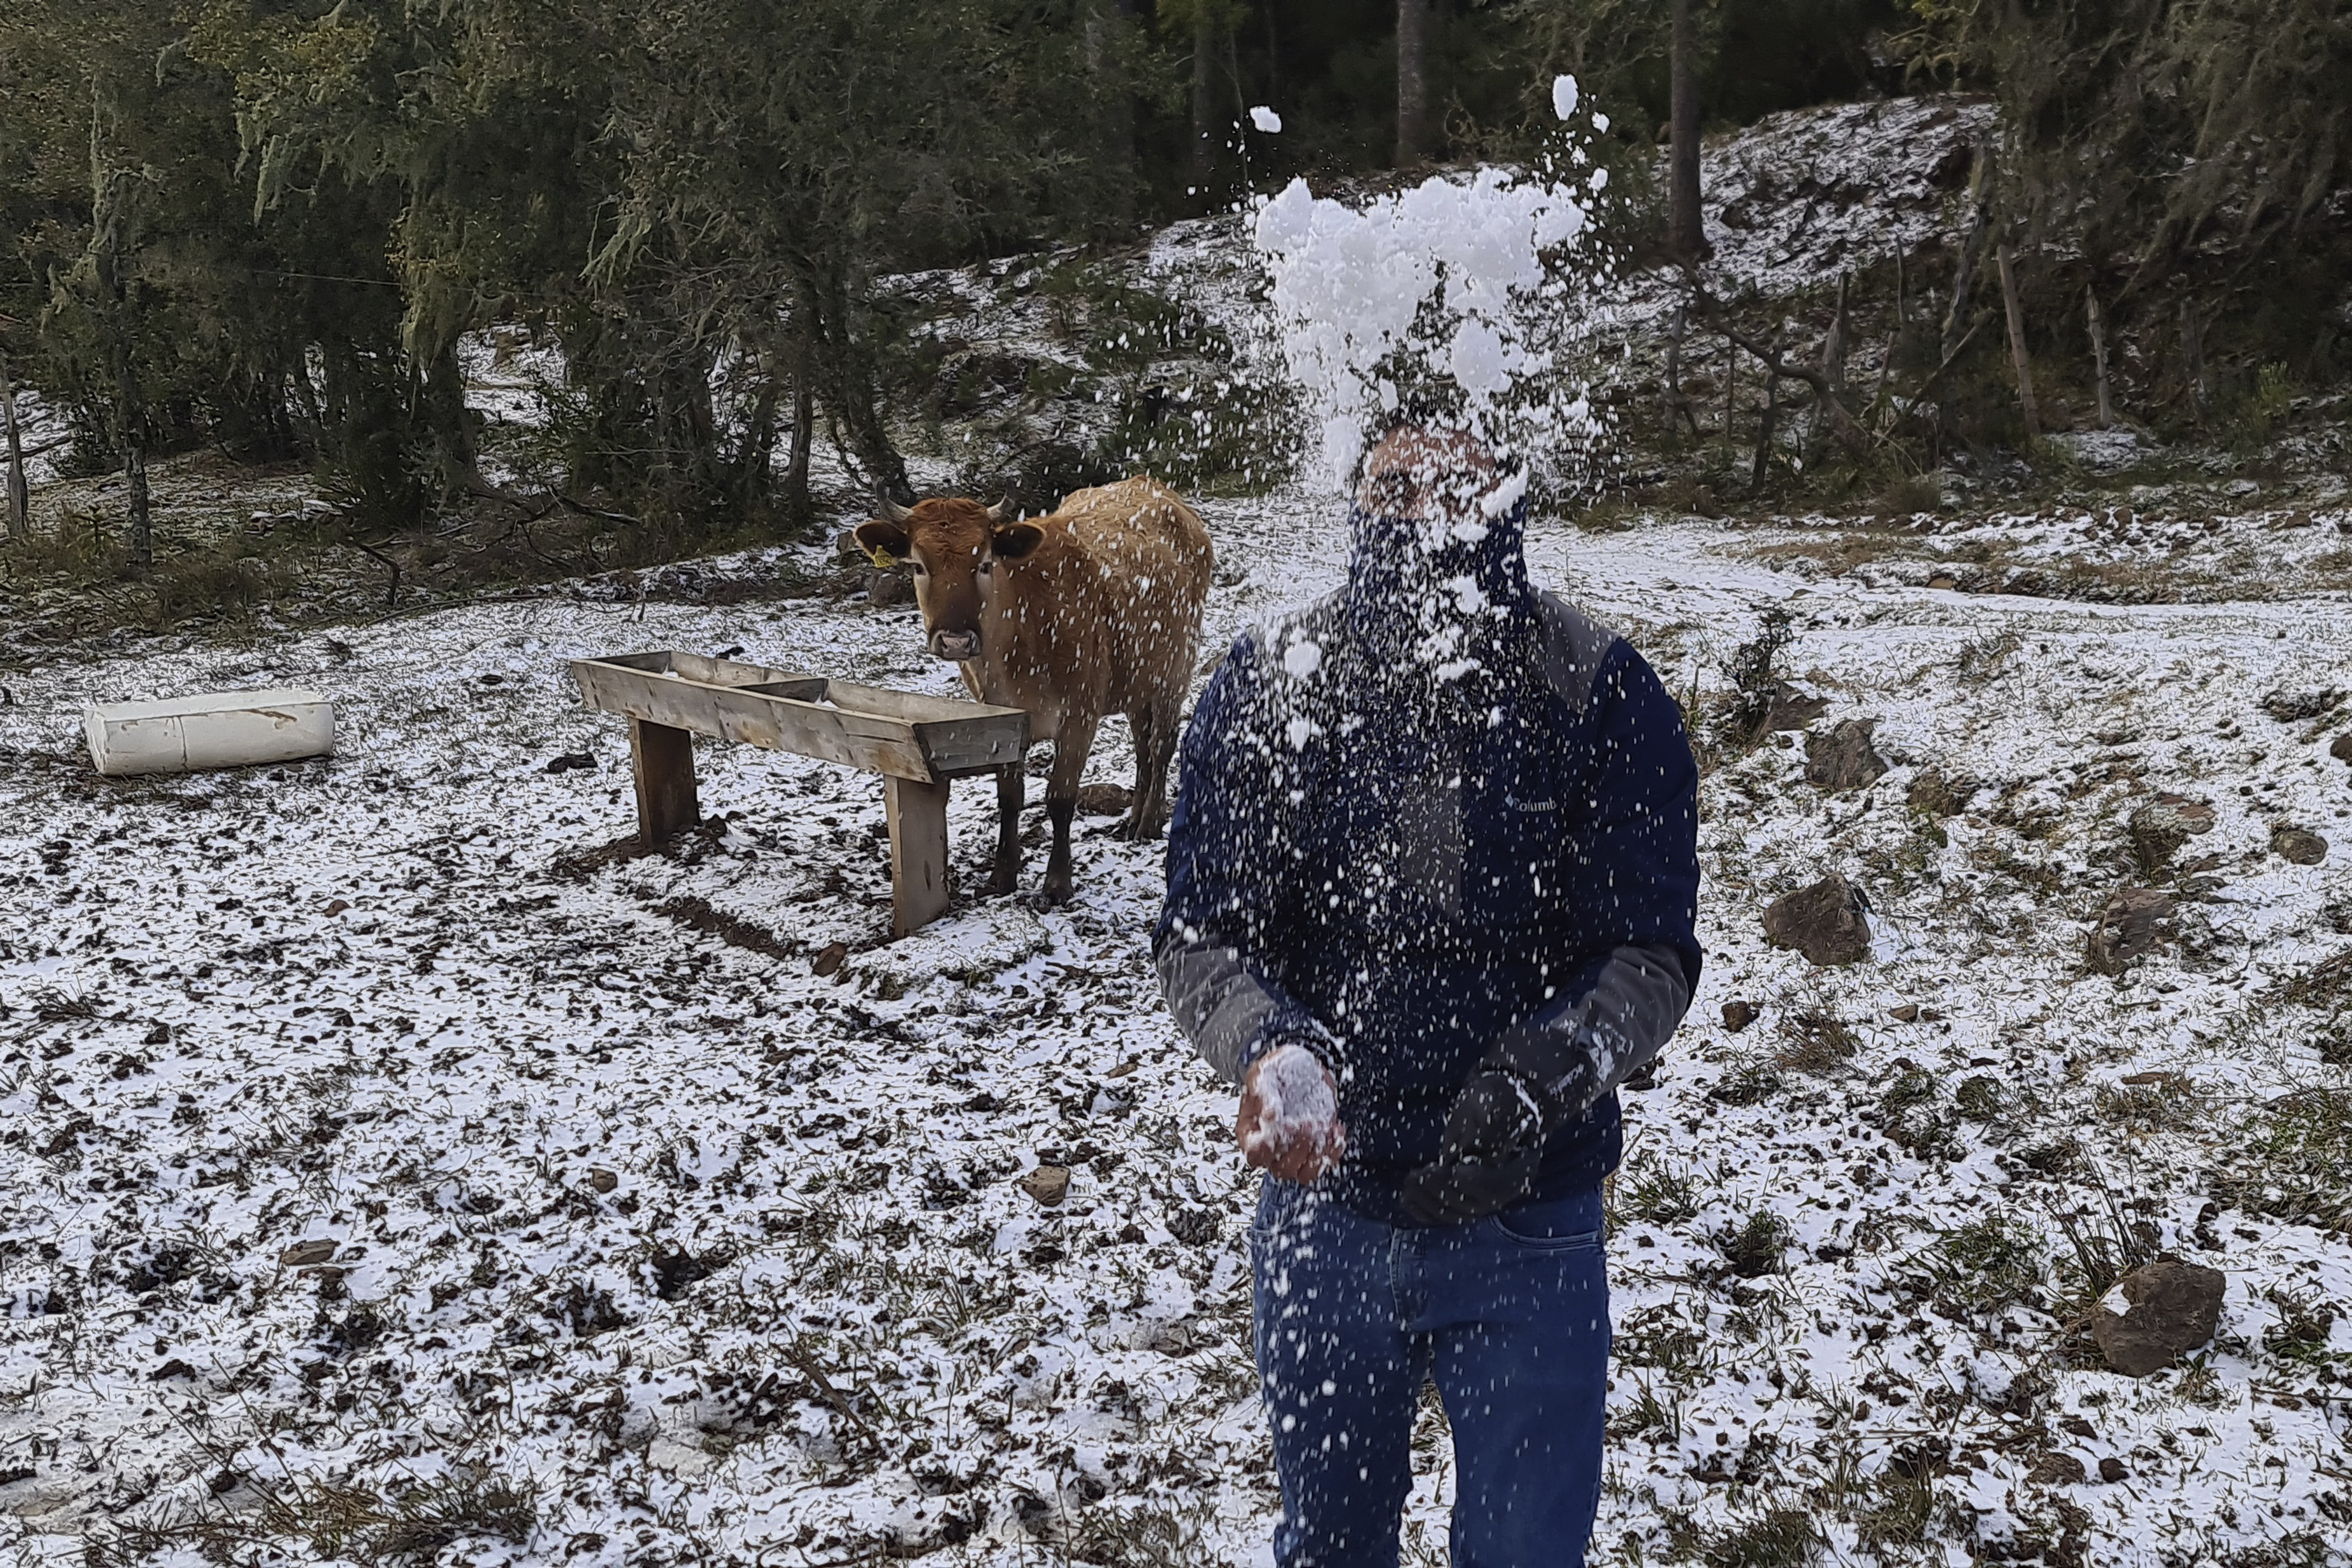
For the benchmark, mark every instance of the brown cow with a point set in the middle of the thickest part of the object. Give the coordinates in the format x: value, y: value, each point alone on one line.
x: 1093, y: 609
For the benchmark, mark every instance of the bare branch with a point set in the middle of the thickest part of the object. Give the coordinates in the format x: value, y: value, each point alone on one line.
x: 1850, y: 433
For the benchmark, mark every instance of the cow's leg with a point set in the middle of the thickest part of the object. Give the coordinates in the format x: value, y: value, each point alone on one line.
x: 1155, y: 743
x: 1168, y: 731
x: 1070, y: 749
x: 1012, y: 781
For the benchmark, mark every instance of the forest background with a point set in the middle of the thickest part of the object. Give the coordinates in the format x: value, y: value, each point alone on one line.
x: 265, y: 227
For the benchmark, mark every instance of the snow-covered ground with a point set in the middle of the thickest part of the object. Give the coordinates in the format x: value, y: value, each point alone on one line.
x: 391, y: 1165
x: 375, y: 1158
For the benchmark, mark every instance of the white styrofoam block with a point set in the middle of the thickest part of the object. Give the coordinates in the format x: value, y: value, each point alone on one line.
x: 211, y: 730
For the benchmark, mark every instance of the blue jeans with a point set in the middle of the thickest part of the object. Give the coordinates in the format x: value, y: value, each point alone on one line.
x: 1510, y: 1315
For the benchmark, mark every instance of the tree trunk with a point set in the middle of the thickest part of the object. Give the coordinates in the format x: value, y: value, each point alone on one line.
x: 860, y: 409
x: 2016, y: 313
x: 1413, y: 139
x: 1685, y: 233
x: 1956, y: 319
x: 2099, y: 355
x: 20, y: 496
x: 143, y: 520
x: 130, y: 420
x: 1964, y: 274
x: 755, y: 459
x: 797, y: 508
x: 306, y: 410
x: 1730, y: 391
x: 1678, y: 405
x: 1204, y: 145
x: 1832, y: 374
x: 1770, y: 425
x: 844, y: 364
x: 439, y: 393
x: 1107, y: 35
x: 2192, y: 349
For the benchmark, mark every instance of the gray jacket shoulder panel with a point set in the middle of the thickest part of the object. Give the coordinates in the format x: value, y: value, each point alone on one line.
x: 1574, y: 647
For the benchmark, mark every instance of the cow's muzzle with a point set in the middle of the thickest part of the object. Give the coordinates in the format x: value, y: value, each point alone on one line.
x: 956, y: 646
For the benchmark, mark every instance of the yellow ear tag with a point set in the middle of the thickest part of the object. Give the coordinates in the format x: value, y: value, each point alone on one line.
x: 883, y: 560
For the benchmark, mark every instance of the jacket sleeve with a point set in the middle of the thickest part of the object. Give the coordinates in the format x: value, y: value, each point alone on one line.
x: 1636, y: 890
x: 1229, y: 847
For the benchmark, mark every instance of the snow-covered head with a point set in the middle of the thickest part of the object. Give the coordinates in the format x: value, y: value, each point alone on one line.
x: 1459, y: 284
x: 1438, y: 582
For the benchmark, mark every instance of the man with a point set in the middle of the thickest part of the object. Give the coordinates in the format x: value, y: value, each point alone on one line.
x: 1431, y: 881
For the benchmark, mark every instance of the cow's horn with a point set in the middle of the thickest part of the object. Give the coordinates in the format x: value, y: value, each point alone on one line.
x: 1001, y: 510
x: 892, y: 511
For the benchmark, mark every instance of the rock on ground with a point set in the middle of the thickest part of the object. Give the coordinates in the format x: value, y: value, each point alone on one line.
x: 1827, y: 921
x: 2135, y: 922
x: 2160, y: 828
x: 2171, y: 1309
x: 1843, y: 757
x: 2299, y: 846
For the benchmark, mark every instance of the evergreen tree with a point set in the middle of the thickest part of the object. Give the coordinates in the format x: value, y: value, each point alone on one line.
x: 2150, y: 129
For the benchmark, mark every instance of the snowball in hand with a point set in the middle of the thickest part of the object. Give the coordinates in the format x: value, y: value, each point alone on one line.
x: 1295, y: 1104
x: 1563, y: 95
x: 1266, y: 120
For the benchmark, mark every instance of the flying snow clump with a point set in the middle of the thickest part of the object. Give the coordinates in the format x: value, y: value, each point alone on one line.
x: 1266, y: 120
x: 1455, y: 280
x: 1563, y: 95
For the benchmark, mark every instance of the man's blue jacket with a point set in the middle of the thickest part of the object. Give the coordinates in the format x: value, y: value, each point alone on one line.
x: 1432, y: 816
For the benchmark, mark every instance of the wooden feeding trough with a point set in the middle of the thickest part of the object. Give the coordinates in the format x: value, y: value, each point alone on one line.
x: 917, y: 743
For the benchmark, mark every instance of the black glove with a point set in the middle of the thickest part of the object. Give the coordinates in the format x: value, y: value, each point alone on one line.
x: 1493, y: 1141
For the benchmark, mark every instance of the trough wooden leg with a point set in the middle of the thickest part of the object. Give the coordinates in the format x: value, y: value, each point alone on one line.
x: 918, y: 851
x: 664, y: 759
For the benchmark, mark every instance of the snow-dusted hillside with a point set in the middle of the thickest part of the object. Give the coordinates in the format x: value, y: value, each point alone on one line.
x: 379, y: 1163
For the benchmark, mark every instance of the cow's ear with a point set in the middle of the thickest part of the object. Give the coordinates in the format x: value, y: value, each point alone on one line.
x: 1012, y: 541
x: 886, y: 537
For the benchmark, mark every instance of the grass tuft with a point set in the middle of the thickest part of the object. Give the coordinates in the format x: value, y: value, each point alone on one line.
x: 1754, y: 1247
x: 1754, y: 674
x: 1908, y: 495
x: 1980, y: 1098
x: 2105, y: 1247
x: 1982, y: 659
x: 1818, y: 1041
x: 2293, y: 1161
x: 1900, y: 1510
x: 1663, y: 1337
x: 1648, y: 1191
x: 1909, y: 1115
x: 344, y: 1522
x: 2305, y: 1320
x: 1986, y: 1265
x: 1783, y: 1538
